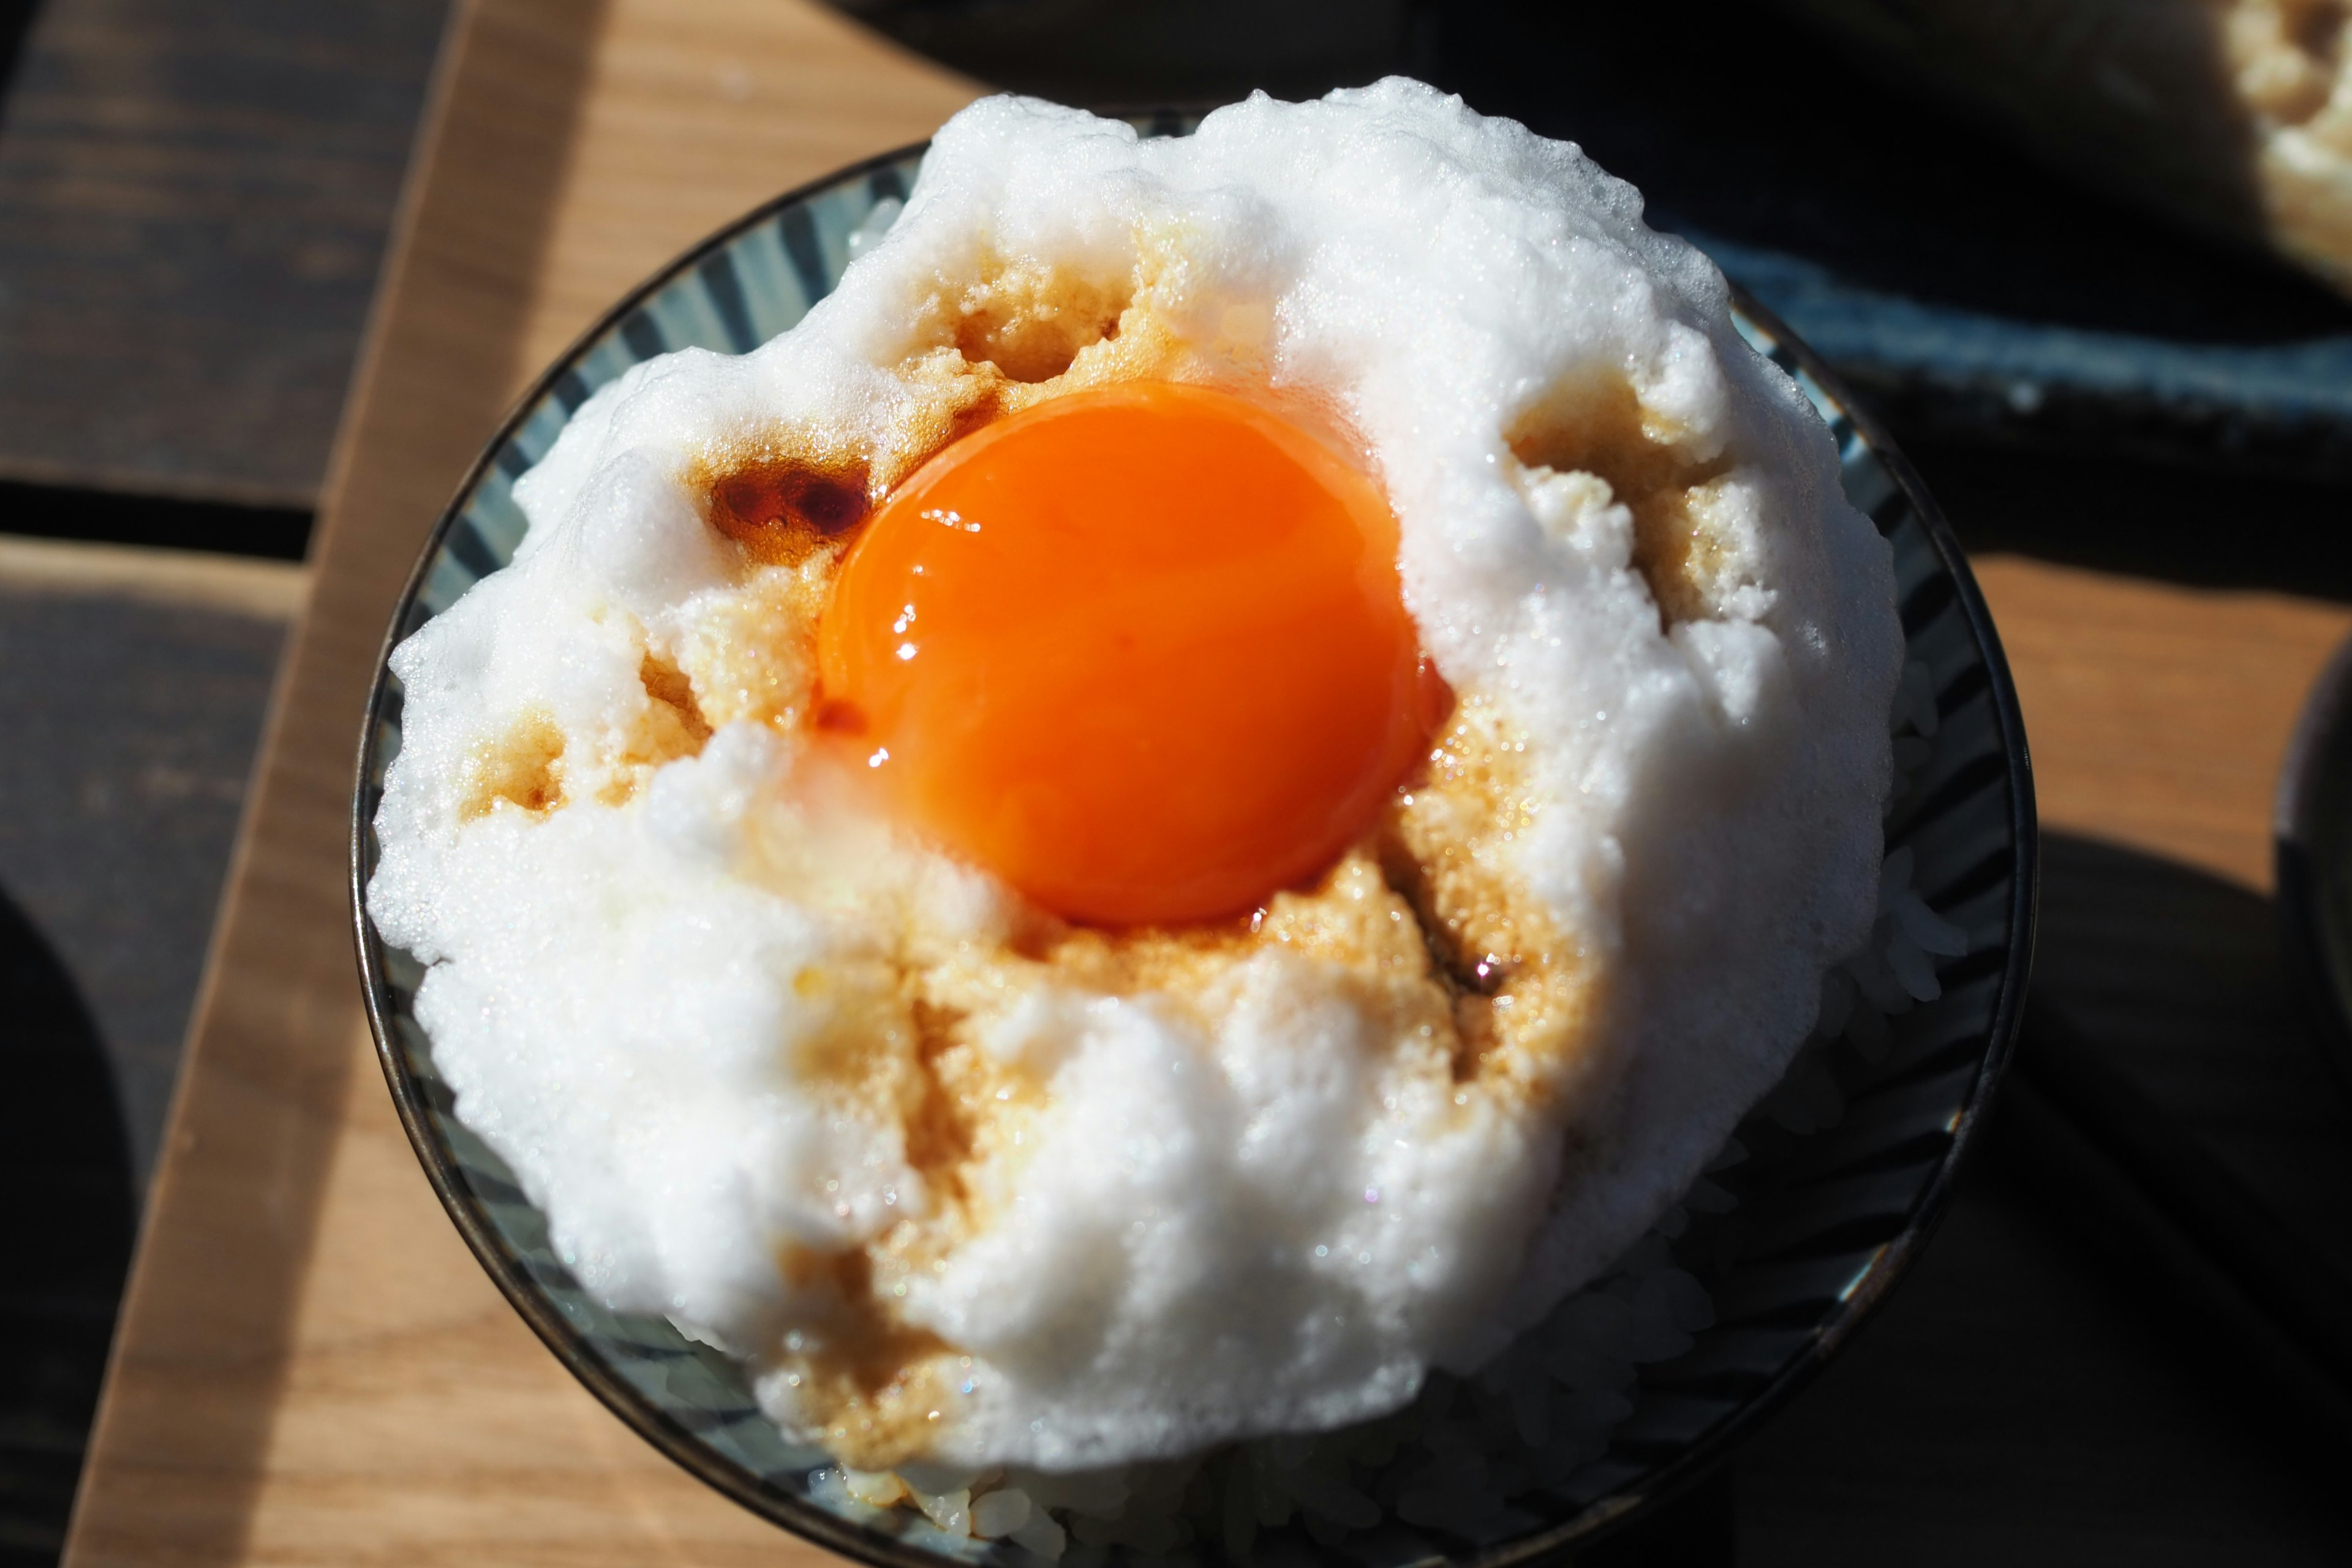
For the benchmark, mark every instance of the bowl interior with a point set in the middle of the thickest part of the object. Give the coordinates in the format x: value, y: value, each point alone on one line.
x: 1850, y: 1162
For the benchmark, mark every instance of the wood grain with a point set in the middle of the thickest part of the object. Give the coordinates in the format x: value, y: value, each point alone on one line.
x: 270, y: 590
x: 695, y: 112
x: 311, y: 1370
x: 194, y: 202
x: 419, y: 1421
x: 2159, y: 715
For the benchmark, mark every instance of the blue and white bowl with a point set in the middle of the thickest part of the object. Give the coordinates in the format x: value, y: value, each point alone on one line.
x: 1850, y: 1164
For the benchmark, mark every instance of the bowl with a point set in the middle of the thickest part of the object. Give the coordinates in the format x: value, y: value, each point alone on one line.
x: 1849, y: 1163
x: 2312, y: 838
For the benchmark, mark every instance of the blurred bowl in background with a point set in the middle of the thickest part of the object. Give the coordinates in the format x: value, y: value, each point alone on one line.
x: 2234, y: 116
x: 1161, y: 51
x: 2312, y: 833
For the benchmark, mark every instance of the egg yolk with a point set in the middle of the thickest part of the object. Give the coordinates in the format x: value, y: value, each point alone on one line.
x: 1141, y: 651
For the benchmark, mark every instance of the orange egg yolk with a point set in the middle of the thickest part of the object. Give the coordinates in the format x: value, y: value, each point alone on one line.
x: 1140, y: 650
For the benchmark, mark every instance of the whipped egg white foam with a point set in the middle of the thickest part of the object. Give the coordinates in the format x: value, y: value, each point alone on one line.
x: 967, y: 1184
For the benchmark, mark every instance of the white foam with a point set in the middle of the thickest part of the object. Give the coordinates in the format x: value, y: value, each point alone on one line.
x: 1262, y: 1221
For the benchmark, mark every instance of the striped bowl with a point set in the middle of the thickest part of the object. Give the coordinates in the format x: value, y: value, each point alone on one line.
x: 1828, y: 1216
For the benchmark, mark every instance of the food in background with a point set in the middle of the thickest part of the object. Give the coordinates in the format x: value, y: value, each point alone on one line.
x: 2233, y: 115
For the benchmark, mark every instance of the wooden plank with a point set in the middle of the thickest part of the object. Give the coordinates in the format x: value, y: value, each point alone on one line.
x: 2159, y: 715
x: 696, y: 111
x: 132, y: 685
x: 194, y: 201
x: 270, y: 590
x: 377, y: 1400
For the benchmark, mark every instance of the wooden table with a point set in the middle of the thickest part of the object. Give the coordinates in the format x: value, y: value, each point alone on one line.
x: 194, y: 196
x: 310, y: 1368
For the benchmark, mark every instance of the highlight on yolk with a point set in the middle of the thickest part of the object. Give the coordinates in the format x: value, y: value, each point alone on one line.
x: 1141, y: 651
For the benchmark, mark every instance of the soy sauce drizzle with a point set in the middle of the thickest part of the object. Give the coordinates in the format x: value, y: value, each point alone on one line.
x: 782, y: 510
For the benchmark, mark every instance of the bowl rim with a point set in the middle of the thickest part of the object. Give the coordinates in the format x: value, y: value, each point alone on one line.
x: 811, y: 1521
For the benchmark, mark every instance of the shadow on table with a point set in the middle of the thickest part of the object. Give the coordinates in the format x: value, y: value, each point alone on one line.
x: 2174, y: 1099
x: 16, y: 19
x: 2109, y: 1354
x: 65, y: 1238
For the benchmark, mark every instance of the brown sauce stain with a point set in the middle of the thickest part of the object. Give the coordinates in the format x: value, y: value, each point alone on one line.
x: 673, y: 725
x: 862, y: 1052
x: 940, y: 1124
x: 529, y: 767
x: 751, y: 654
x: 1596, y: 426
x: 1521, y: 998
x: 1462, y: 972
x: 784, y: 508
x: 1032, y: 319
x: 875, y: 1387
x: 872, y: 1383
x: 837, y: 716
x: 1137, y: 960
x: 1007, y: 337
x: 522, y: 768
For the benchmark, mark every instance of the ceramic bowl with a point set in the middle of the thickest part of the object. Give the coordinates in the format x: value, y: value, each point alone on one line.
x: 1851, y: 1165
x: 2312, y: 834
